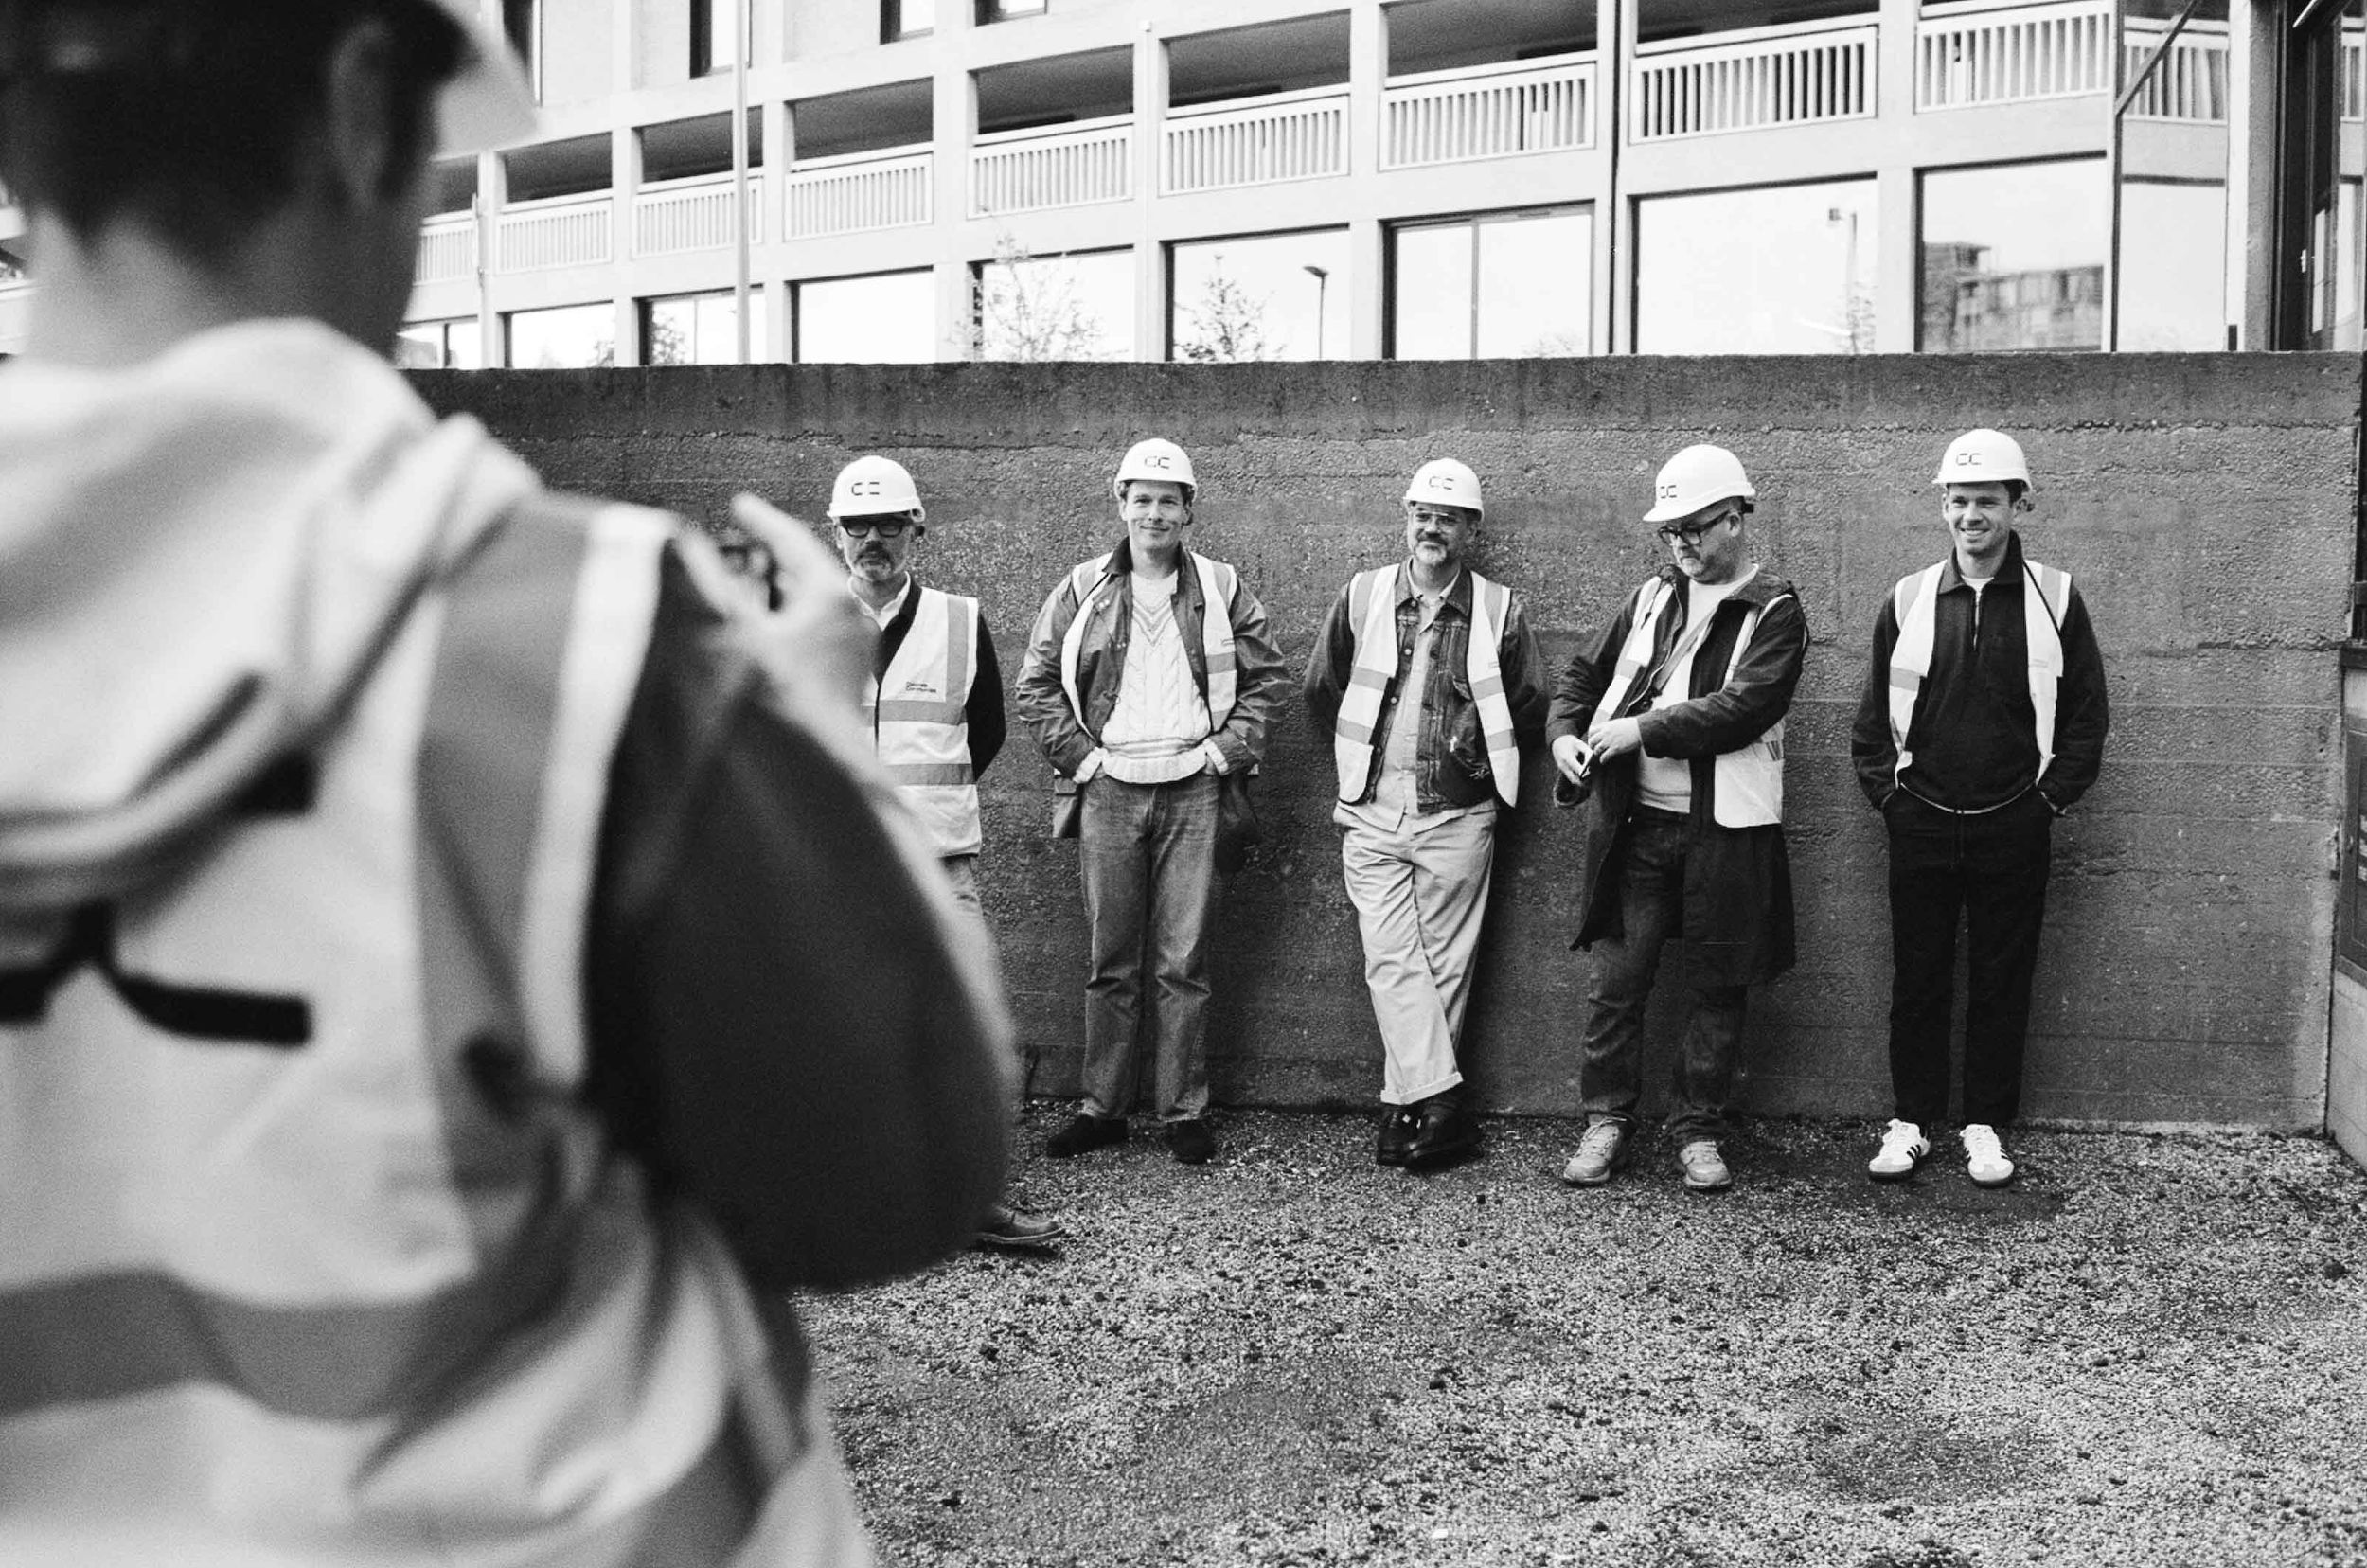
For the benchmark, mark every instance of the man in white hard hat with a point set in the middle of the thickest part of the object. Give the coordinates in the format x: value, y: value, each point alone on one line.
x: 460, y: 967
x: 1983, y: 719
x: 1674, y: 720
x: 1150, y: 680
x: 1424, y: 680
x: 933, y: 705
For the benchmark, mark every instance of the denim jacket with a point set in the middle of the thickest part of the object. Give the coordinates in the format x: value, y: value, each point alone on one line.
x: 1450, y: 768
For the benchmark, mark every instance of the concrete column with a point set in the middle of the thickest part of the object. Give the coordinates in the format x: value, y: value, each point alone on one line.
x: 1897, y: 248
x: 2255, y: 47
x: 1150, y: 257
x: 780, y: 153
x: 1614, y: 227
x: 492, y: 194
x: 953, y: 114
x: 1368, y: 74
x: 624, y: 183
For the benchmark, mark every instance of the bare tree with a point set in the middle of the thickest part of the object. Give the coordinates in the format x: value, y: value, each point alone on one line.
x: 1025, y: 307
x: 1227, y: 324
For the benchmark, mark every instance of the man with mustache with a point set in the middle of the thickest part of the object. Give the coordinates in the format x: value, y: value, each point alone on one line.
x: 933, y: 705
x: 1675, y: 719
x: 1983, y: 719
x: 1150, y: 680
x: 1424, y: 678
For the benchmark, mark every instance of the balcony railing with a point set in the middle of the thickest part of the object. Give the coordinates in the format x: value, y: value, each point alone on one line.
x: 690, y: 215
x: 447, y: 249
x: 1496, y: 112
x: 1288, y: 136
x: 1074, y: 165
x: 859, y: 192
x: 558, y: 231
x: 2190, y: 83
x: 2014, y: 54
x: 1766, y: 77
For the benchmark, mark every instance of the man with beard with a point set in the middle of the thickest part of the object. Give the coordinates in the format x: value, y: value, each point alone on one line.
x: 1424, y: 678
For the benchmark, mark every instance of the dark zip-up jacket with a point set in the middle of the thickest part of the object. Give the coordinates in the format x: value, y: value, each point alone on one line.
x: 1974, y: 738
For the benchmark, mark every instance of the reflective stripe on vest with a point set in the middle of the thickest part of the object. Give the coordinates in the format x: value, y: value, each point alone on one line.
x: 1915, y: 602
x: 920, y: 716
x: 1090, y: 581
x: 1373, y: 611
x: 386, y: 1285
x: 1747, y: 784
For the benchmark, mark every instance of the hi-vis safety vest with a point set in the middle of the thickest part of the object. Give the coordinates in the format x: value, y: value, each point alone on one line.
x: 1373, y: 611
x: 1091, y: 580
x: 320, y: 1246
x: 2045, y: 599
x: 1747, y: 788
x: 918, y: 716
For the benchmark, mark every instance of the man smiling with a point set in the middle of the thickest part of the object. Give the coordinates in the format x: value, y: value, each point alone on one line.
x: 1675, y: 719
x: 1150, y: 678
x: 1423, y: 678
x: 1983, y: 719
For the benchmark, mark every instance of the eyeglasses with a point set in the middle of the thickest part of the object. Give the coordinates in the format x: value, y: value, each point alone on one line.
x: 1692, y: 532
x: 886, y: 527
x: 1435, y: 516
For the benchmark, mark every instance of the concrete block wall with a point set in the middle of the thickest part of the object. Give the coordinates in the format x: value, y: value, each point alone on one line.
x: 2204, y: 504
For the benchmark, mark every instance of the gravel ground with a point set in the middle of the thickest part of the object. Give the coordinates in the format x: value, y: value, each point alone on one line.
x: 2151, y: 1349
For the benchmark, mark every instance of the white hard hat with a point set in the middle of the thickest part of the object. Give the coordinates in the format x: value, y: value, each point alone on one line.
x: 1444, y: 482
x: 1693, y: 478
x: 1155, y: 459
x: 875, y: 487
x: 1983, y: 456
x: 488, y: 105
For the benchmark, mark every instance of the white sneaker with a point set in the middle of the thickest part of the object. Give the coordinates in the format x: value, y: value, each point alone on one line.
x: 1904, y: 1148
x: 1984, y: 1160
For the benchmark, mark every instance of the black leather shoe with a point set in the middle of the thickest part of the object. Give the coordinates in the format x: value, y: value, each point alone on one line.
x: 1442, y: 1128
x: 1084, y: 1133
x: 1190, y: 1141
x: 1396, y: 1135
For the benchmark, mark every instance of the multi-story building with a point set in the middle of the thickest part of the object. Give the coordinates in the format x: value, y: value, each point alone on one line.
x: 1232, y: 179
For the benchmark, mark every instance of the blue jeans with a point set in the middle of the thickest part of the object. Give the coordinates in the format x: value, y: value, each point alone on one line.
x: 1148, y: 856
x: 1610, y: 1054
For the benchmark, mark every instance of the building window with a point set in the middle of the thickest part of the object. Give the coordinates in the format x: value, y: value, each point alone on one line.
x: 2173, y: 266
x: 1770, y: 270
x: 906, y: 18
x: 2013, y: 258
x: 714, y: 42
x: 1259, y: 296
x: 568, y: 337
x: 1504, y: 285
x: 700, y: 329
x: 880, y: 318
x: 1054, y: 307
x: 439, y: 346
x: 1004, y: 10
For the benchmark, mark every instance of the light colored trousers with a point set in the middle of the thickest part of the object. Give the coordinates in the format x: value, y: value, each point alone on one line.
x: 1419, y: 899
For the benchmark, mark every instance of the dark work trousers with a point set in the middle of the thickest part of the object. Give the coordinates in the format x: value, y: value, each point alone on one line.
x: 1992, y: 869
x: 1651, y: 910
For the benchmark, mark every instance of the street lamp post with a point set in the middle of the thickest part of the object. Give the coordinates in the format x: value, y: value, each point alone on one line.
x: 1321, y: 280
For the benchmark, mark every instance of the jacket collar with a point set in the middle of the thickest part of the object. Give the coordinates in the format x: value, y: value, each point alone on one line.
x: 1458, y: 595
x: 1122, y: 565
x: 1762, y: 589
x: 2008, y: 570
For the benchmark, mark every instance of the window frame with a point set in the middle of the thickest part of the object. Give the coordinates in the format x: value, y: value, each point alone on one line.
x: 890, y: 13
x: 1472, y: 221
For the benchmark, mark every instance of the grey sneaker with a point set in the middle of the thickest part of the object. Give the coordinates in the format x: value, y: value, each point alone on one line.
x: 1602, y: 1151
x: 1706, y: 1171
x: 1005, y: 1226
